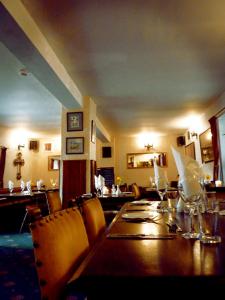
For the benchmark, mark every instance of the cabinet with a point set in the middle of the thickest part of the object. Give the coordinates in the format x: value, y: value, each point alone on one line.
x: 146, y: 160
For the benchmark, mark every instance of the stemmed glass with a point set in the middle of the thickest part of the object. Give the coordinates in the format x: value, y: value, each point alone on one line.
x: 161, y: 190
x: 192, y: 203
x: 211, y: 236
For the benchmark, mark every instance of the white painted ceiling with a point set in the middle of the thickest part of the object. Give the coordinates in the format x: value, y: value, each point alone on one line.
x: 145, y: 63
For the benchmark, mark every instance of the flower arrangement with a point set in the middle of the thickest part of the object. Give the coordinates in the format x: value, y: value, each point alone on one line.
x: 207, y: 177
x: 118, y: 180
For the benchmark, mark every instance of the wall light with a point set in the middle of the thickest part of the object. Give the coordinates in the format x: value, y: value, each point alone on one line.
x: 20, y: 146
x: 149, y: 147
x: 194, y: 134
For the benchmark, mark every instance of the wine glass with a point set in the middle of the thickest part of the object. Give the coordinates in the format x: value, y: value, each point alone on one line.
x: 161, y: 187
x: 193, y: 203
x: 211, y: 235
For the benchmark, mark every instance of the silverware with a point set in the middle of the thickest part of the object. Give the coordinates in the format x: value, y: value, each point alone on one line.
x: 140, y: 236
x: 174, y: 227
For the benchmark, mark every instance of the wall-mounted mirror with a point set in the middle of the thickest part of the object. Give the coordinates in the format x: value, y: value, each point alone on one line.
x: 145, y: 160
x: 54, y: 163
x: 205, y: 139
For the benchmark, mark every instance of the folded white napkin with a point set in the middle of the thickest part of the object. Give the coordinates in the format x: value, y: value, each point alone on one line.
x: 22, y: 185
x: 96, y: 183
x: 39, y: 184
x: 28, y: 185
x: 190, y: 173
x: 10, y: 184
x: 161, y: 180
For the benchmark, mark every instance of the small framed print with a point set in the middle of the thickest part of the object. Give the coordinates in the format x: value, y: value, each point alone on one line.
x: 93, y: 131
x: 74, y: 145
x: 74, y: 121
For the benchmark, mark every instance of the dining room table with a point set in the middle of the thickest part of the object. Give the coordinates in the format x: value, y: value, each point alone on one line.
x: 140, y: 256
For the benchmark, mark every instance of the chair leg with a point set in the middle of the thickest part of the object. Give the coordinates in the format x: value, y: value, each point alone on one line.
x: 24, y: 219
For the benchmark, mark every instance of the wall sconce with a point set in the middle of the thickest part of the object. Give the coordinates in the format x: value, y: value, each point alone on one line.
x: 194, y: 134
x: 149, y: 147
x: 20, y: 146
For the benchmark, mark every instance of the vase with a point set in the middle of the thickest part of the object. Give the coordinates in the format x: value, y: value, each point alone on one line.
x: 118, y: 191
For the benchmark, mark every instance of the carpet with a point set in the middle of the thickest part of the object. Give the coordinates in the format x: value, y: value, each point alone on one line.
x: 18, y: 277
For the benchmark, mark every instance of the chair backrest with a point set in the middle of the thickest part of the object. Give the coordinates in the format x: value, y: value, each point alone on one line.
x: 136, y: 191
x: 60, y: 244
x: 54, y: 201
x: 94, y: 219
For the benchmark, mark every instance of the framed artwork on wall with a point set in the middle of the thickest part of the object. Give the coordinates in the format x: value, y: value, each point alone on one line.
x: 74, y: 121
x: 190, y: 150
x: 205, y: 139
x: 74, y: 145
x: 93, y: 131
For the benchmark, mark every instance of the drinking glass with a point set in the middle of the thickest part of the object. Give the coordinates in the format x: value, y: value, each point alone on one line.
x: 211, y: 235
x: 162, y: 194
x: 193, y: 205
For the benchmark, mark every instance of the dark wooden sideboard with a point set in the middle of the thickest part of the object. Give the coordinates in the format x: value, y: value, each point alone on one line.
x: 13, y: 207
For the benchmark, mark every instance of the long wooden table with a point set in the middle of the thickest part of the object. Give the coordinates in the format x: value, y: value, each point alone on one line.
x: 130, y: 268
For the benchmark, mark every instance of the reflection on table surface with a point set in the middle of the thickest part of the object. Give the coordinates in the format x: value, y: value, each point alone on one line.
x: 135, y: 264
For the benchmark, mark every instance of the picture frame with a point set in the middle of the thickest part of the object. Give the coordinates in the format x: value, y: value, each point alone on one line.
x: 74, y: 145
x: 93, y: 132
x: 190, y: 150
x: 74, y: 121
x: 205, y: 139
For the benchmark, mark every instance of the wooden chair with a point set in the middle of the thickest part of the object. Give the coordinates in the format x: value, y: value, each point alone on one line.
x: 60, y: 244
x: 141, y: 194
x: 54, y: 201
x: 136, y: 191
x: 94, y: 219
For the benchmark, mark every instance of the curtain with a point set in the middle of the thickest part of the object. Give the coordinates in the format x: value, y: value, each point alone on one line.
x: 215, y: 144
x: 2, y: 164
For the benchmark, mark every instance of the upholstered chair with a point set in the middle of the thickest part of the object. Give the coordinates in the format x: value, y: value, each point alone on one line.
x: 60, y: 244
x: 94, y: 219
x: 54, y: 201
x: 136, y: 191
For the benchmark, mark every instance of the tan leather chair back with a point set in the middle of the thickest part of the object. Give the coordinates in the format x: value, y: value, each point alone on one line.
x: 54, y: 201
x: 94, y: 219
x: 60, y: 244
x: 136, y: 191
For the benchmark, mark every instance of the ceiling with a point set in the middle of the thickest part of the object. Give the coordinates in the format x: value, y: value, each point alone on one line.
x: 146, y: 64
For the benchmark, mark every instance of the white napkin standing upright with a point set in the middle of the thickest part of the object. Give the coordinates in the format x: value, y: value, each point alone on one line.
x: 28, y: 185
x: 22, y: 185
x: 190, y: 173
x: 10, y: 185
x: 96, y: 183
x: 161, y: 180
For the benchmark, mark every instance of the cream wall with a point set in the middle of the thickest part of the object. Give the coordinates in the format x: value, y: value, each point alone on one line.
x: 36, y: 163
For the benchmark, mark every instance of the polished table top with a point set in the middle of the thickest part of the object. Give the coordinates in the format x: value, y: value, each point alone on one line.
x: 135, y: 264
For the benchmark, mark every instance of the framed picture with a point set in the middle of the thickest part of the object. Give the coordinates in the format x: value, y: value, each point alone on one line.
x: 93, y: 131
x: 205, y: 139
x: 74, y: 121
x: 74, y: 145
x: 190, y: 150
